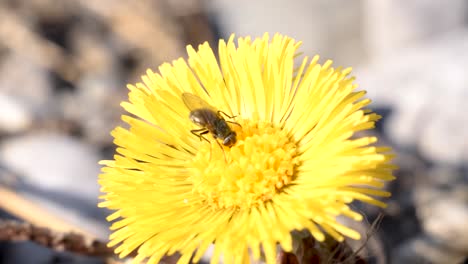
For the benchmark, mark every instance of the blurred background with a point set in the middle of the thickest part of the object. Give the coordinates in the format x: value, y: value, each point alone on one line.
x: 64, y: 66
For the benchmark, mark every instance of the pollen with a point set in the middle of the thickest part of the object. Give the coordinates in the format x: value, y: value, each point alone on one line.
x: 261, y: 164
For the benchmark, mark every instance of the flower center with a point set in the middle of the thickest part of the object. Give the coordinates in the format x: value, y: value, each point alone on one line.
x: 259, y: 165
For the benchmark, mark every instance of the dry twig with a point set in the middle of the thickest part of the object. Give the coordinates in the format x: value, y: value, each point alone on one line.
x: 72, y: 242
x: 33, y: 213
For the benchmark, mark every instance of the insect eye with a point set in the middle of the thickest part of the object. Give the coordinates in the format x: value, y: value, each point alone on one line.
x: 230, y: 140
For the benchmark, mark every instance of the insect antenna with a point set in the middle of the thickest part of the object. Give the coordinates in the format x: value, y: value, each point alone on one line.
x: 228, y: 116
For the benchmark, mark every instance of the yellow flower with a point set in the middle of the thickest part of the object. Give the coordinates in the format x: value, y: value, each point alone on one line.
x: 295, y: 164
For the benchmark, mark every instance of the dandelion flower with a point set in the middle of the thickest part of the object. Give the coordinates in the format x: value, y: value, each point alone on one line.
x: 296, y: 163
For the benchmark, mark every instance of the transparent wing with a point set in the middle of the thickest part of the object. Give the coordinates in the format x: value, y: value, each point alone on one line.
x: 194, y: 102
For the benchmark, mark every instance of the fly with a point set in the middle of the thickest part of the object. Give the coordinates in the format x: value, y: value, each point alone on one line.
x: 210, y: 120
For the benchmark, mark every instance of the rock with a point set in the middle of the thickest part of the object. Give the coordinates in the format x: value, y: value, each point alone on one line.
x: 441, y: 200
x: 443, y: 177
x: 15, y: 116
x: 329, y: 28
x: 444, y: 217
x: 407, y: 119
x: 448, y: 223
x: 53, y: 162
x: 423, y: 250
x: 60, y: 174
x: 27, y: 82
x: 27, y: 252
x: 389, y: 26
x: 100, y: 88
x: 445, y: 137
x: 100, y: 95
x: 425, y: 85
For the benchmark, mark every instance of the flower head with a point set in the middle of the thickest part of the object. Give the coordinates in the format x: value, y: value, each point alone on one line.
x: 294, y: 165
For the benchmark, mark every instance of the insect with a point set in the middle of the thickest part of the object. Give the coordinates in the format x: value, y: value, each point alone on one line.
x: 209, y: 119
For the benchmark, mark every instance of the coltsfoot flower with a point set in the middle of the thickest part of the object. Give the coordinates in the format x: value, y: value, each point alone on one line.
x: 295, y: 164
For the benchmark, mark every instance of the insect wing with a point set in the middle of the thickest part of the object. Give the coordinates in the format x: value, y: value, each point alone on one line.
x: 194, y: 102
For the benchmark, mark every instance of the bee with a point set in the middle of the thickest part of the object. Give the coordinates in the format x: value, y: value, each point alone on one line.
x: 209, y: 119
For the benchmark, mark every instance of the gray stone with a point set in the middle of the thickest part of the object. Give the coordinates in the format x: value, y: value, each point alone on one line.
x: 448, y: 223
x: 60, y: 174
x: 444, y: 176
x: 405, y: 123
x: 329, y: 28
x: 424, y: 250
x: 27, y: 82
x: 98, y: 90
x: 445, y: 137
x: 425, y: 85
x: 15, y: 116
x: 99, y: 94
x: 54, y: 162
x: 441, y: 201
x: 444, y: 216
x: 389, y: 26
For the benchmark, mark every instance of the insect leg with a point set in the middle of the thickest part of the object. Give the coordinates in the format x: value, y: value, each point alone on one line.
x: 203, y: 131
x: 200, y: 132
x: 226, y: 115
x: 231, y: 117
x: 235, y: 123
